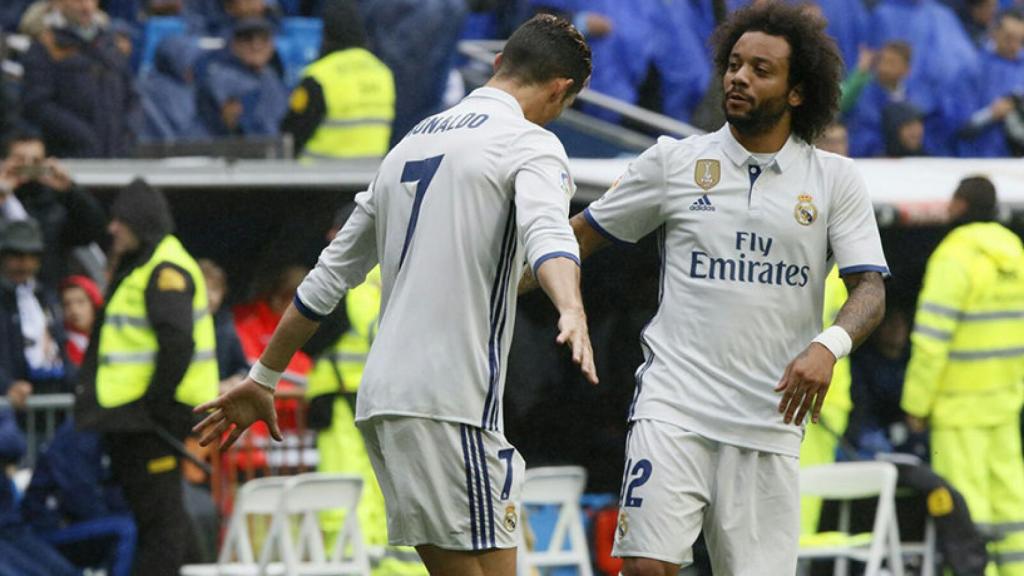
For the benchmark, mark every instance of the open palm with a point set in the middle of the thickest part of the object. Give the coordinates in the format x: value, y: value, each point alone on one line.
x: 236, y: 410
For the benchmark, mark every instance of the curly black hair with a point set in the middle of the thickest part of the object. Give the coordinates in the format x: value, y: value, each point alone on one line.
x: 814, y: 61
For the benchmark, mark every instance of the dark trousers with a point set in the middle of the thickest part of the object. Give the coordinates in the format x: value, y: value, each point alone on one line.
x: 150, y: 474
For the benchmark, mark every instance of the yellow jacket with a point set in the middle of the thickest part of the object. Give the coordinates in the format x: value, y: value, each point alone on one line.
x: 967, y: 347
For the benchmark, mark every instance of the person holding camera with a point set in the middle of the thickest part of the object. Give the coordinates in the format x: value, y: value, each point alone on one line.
x: 995, y: 93
x: 43, y: 190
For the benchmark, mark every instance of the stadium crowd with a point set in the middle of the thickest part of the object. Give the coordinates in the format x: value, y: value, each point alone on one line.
x: 99, y: 78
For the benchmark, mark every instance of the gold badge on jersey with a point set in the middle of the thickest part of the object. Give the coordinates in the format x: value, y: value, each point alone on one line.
x: 805, y: 212
x: 623, y: 526
x: 707, y: 173
x: 511, y: 518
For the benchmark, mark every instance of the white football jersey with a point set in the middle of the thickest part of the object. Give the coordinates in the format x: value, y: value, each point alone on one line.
x: 455, y: 209
x: 745, y: 250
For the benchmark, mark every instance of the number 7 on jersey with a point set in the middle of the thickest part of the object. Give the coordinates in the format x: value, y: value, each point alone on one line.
x: 421, y: 172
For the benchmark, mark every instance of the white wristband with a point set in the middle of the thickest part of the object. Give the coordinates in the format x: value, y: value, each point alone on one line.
x: 264, y: 376
x: 836, y: 340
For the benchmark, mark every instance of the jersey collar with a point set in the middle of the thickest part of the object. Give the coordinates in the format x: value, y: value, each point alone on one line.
x: 739, y: 155
x: 499, y: 95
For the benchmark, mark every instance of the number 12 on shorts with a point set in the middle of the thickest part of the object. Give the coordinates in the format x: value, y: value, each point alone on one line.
x: 637, y: 475
x: 421, y: 172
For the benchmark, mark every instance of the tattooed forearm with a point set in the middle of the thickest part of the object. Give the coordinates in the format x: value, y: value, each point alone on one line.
x: 864, y: 308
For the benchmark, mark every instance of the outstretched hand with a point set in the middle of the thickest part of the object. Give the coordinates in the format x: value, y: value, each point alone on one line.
x: 805, y: 383
x: 573, y: 332
x: 236, y: 410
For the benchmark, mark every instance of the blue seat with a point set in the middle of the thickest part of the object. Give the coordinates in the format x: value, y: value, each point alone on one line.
x: 298, y: 44
x: 156, y: 29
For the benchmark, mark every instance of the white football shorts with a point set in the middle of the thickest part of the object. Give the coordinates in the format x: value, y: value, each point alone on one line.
x: 677, y: 482
x: 450, y: 485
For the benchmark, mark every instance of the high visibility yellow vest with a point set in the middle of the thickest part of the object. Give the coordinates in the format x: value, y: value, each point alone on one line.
x: 128, y: 345
x: 967, y: 356
x: 359, y: 92
x: 340, y: 369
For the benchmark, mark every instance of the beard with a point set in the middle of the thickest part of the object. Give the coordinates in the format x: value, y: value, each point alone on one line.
x: 759, y: 119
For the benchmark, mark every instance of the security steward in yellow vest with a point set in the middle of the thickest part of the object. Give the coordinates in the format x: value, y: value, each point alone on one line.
x: 345, y: 103
x: 966, y: 373
x: 150, y: 360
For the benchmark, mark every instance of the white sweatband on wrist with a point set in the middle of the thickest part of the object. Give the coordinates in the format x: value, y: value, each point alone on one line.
x: 836, y: 340
x: 264, y: 376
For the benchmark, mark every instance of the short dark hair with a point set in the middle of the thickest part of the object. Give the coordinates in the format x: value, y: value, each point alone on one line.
x: 19, y: 135
x: 979, y: 193
x: 814, y: 60
x: 544, y: 48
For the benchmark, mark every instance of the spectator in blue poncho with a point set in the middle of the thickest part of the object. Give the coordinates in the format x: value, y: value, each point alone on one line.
x: 904, y: 130
x: 653, y: 56
x: 168, y: 92
x: 848, y: 22
x: 416, y: 39
x: 879, y: 80
x: 943, y: 57
x: 239, y: 93
x: 991, y: 95
x: 978, y: 16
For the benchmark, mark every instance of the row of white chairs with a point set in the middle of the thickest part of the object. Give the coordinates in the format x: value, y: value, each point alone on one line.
x: 293, y: 502
x: 290, y: 503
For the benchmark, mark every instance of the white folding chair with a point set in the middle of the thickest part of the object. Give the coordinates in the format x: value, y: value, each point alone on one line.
x: 925, y: 549
x: 257, y: 497
x: 561, y: 486
x: 304, y: 497
x: 851, y: 481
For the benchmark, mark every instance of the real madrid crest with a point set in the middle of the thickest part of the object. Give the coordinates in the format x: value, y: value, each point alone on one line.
x: 511, y: 518
x: 805, y: 212
x: 623, y: 526
x: 707, y: 173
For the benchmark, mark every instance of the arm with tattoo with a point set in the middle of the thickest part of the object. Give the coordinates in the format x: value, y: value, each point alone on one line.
x: 806, y: 380
x: 865, y: 306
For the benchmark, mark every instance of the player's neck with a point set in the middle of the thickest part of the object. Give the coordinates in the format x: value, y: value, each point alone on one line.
x: 530, y: 97
x: 767, y: 142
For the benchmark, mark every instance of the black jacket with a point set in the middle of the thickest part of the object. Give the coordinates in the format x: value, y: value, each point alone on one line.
x: 67, y: 219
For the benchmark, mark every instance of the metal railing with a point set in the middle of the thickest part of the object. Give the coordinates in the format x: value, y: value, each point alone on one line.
x: 42, y: 409
x: 254, y: 455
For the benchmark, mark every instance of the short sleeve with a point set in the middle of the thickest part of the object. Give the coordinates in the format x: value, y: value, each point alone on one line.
x: 543, y: 189
x: 634, y: 205
x: 852, y: 230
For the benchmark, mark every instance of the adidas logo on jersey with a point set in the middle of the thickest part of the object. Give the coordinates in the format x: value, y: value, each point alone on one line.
x: 702, y: 204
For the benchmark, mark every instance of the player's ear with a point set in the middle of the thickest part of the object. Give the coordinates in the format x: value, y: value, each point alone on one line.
x: 560, y: 89
x: 497, y: 61
x: 796, y: 96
